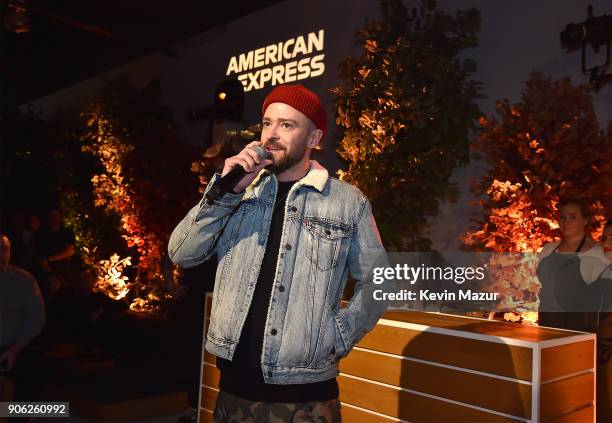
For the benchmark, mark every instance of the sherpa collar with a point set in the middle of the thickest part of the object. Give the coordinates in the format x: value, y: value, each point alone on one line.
x: 316, y: 177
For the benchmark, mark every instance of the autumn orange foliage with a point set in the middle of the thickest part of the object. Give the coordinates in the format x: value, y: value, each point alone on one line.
x: 113, y: 191
x: 546, y: 147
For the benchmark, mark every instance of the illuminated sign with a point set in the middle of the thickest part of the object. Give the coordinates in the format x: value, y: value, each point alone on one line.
x: 271, y: 65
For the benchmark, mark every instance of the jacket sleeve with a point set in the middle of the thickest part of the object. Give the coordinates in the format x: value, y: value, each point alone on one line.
x: 366, y: 252
x: 194, y: 238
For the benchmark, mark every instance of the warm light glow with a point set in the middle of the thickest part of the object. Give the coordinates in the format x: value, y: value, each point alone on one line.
x: 526, y: 318
x: 141, y: 305
x: 111, y: 280
x: 222, y: 96
x: 113, y: 191
x: 530, y: 317
x: 515, y: 278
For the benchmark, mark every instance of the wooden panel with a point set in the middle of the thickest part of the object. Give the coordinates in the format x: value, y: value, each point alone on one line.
x: 507, y: 397
x: 485, y: 327
x: 355, y: 415
x: 509, y: 361
x: 210, y: 358
x: 206, y: 325
x: 586, y: 414
x: 408, y: 406
x: 567, y: 359
x: 566, y: 395
x: 211, y: 376
x: 467, y: 324
x: 206, y: 416
x: 209, y: 398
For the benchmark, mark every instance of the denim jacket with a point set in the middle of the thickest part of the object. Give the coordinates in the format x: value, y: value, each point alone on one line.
x: 328, y: 234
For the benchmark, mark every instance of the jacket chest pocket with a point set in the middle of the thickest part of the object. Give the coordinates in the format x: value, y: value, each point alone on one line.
x: 323, y: 241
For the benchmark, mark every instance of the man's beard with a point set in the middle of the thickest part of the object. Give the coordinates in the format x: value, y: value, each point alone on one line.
x: 289, y: 159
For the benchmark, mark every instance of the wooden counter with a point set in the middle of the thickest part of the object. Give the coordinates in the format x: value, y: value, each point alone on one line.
x: 418, y: 367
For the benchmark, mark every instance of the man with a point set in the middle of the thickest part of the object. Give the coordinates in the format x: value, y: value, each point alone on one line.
x: 17, y: 233
x: 55, y: 245
x: 22, y: 316
x: 286, y: 238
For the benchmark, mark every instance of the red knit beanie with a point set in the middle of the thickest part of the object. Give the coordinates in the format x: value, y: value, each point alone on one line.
x: 300, y: 98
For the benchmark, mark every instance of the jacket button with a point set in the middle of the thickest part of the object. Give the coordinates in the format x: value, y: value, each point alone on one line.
x: 293, y: 209
x: 288, y: 246
x: 273, y: 332
x: 281, y: 288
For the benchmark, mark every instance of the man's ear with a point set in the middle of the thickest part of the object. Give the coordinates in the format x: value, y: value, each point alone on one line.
x: 315, y: 138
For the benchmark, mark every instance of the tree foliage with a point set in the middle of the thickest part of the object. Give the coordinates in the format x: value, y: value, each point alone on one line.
x: 406, y: 107
x: 143, y: 177
x: 42, y: 167
x: 546, y: 147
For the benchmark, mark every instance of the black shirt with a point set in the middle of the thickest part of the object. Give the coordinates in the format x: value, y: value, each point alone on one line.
x: 243, y: 376
x: 47, y: 243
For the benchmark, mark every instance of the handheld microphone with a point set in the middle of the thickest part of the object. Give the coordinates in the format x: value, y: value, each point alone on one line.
x: 229, y: 181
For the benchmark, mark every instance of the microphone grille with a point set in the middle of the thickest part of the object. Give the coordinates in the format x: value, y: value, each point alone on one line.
x: 261, y: 152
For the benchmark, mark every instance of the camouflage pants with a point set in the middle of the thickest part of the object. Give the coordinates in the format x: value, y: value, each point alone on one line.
x: 231, y: 409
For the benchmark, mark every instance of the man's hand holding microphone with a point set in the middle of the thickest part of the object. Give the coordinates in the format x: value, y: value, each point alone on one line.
x: 240, y: 170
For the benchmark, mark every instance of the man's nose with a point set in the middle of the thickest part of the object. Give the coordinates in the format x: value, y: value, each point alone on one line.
x: 271, y: 134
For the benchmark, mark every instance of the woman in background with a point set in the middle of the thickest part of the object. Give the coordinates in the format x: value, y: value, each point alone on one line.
x: 568, y: 270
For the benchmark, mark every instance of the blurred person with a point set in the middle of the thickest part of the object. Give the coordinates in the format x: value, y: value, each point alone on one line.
x: 54, y: 246
x: 31, y: 262
x: 17, y: 233
x: 76, y: 312
x: 31, y: 229
x: 22, y: 317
